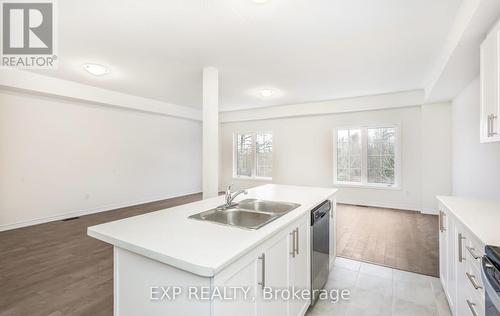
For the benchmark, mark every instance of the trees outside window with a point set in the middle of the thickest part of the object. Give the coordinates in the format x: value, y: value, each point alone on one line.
x: 253, y: 155
x: 367, y: 156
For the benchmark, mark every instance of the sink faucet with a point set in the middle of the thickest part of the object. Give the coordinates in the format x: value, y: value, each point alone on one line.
x: 231, y: 196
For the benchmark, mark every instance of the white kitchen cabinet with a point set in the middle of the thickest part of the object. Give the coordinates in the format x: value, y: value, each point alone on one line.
x: 283, y: 262
x: 299, y: 262
x: 443, y: 250
x: 490, y: 87
x: 275, y: 269
x: 461, y: 286
x: 333, y: 232
x: 470, y: 291
x: 246, y: 276
x: 459, y: 267
x: 269, y: 267
x: 452, y: 262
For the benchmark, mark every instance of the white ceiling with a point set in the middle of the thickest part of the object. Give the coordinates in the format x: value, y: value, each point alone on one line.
x: 306, y: 50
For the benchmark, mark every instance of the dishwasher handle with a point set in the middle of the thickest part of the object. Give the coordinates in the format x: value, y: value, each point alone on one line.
x: 321, y: 211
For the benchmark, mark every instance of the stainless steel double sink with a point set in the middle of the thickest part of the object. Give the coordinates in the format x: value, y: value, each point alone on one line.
x: 249, y: 213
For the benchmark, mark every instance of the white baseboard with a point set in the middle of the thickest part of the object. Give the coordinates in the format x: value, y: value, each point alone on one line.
x: 384, y: 205
x: 104, y: 208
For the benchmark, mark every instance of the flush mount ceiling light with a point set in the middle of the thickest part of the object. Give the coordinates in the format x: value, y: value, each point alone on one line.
x: 95, y: 69
x: 266, y: 93
x: 260, y: 1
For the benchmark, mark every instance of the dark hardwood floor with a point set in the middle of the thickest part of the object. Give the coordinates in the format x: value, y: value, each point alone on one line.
x: 404, y: 240
x: 56, y: 269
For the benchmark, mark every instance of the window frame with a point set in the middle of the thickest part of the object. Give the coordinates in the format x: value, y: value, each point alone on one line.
x: 364, y: 158
x: 254, y: 160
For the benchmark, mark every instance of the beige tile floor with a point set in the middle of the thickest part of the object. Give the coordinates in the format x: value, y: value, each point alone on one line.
x: 377, y: 290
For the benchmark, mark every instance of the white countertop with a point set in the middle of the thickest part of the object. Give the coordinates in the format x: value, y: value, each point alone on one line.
x: 481, y: 217
x: 201, y: 247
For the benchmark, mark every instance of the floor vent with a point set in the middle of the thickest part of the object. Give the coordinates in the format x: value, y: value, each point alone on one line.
x: 70, y: 219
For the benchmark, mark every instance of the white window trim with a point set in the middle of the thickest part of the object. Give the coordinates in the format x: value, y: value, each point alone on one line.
x: 364, y: 157
x: 254, y: 162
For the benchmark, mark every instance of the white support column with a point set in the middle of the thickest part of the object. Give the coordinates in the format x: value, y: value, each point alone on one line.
x: 210, y: 176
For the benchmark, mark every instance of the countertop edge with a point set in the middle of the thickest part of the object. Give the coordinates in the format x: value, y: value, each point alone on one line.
x: 182, y: 265
x: 442, y: 199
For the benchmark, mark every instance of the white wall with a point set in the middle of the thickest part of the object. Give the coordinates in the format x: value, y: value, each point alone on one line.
x: 64, y: 158
x: 303, y: 154
x: 436, y: 154
x: 475, y: 166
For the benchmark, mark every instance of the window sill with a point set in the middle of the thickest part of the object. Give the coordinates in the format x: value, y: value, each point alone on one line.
x: 253, y: 178
x: 367, y: 186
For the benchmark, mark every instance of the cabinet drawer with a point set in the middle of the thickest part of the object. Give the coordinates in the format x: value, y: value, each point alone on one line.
x: 473, y: 252
x: 474, y: 280
x: 473, y: 304
x: 472, y: 307
x: 472, y: 291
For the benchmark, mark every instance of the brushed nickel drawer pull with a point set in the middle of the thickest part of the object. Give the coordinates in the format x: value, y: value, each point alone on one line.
x: 472, y: 280
x: 263, y: 258
x: 460, y: 247
x: 440, y: 221
x: 472, y: 307
x: 297, y: 237
x: 293, y: 243
x: 472, y: 253
x: 488, y: 126
x: 491, y: 126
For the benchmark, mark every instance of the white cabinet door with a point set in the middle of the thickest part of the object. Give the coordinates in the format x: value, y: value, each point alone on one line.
x: 269, y: 268
x: 469, y: 283
x: 452, y: 240
x: 490, y: 71
x: 459, y: 267
x: 300, y: 266
x: 333, y: 232
x: 276, y: 271
x: 462, y: 291
x: 246, y: 276
x: 460, y: 270
x: 443, y: 250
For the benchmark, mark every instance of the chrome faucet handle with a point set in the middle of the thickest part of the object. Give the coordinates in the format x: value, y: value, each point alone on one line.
x: 228, y: 193
x: 229, y: 202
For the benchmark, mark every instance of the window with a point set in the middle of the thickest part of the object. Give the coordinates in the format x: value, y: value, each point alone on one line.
x: 367, y: 156
x: 349, y: 155
x: 244, y: 155
x: 253, y: 155
x: 381, y: 155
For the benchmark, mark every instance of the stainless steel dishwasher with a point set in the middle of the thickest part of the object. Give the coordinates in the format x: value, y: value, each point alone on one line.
x: 320, y: 247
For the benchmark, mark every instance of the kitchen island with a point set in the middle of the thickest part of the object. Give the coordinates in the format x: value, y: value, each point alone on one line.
x: 164, y: 261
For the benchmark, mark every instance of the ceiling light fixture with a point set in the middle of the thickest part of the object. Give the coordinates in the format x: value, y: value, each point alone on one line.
x: 260, y: 1
x: 266, y: 92
x: 95, y: 69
